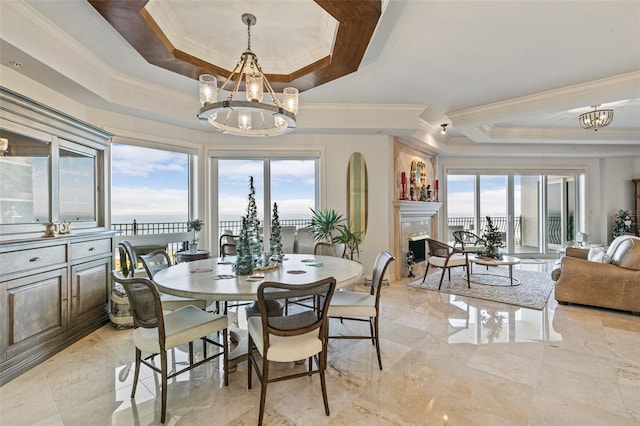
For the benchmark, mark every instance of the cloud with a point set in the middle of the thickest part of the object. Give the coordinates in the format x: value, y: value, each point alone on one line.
x: 145, y: 200
x: 130, y: 160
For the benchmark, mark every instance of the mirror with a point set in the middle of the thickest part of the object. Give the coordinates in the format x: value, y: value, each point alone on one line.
x: 357, y: 193
x: 418, y: 173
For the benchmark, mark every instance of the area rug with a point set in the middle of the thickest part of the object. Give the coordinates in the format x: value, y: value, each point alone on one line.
x: 533, y: 292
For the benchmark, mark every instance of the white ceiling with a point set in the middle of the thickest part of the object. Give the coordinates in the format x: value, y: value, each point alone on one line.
x: 496, y: 71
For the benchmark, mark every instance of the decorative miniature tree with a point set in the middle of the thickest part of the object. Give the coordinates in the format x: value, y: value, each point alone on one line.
x: 493, y: 237
x: 244, y: 259
x: 196, y: 226
x: 253, y: 225
x: 275, y: 243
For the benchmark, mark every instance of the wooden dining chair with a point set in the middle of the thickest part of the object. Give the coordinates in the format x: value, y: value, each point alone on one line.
x: 156, y: 332
x: 360, y: 306
x: 301, y: 334
x: 156, y: 261
x: 446, y: 257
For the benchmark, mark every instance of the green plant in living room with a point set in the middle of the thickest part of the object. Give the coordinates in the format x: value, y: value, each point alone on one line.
x: 324, y: 223
x: 350, y: 239
x: 493, y: 237
x: 624, y: 222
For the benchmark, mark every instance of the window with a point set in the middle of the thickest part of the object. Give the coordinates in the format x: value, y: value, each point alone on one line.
x: 291, y: 183
x: 151, y: 187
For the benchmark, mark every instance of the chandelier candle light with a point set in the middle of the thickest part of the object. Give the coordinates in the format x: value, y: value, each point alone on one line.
x: 252, y: 117
x: 596, y: 119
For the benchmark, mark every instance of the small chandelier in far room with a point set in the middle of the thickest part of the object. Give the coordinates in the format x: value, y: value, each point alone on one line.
x: 252, y: 117
x: 596, y: 119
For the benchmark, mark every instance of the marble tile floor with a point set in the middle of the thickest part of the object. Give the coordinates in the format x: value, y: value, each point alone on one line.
x: 448, y: 360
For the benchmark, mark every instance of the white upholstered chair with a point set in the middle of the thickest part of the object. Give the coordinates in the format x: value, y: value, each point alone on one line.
x: 446, y: 257
x: 156, y: 332
x: 300, y: 334
x: 360, y: 306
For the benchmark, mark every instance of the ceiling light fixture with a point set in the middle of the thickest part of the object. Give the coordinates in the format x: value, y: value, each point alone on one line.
x: 252, y: 117
x: 444, y: 129
x: 596, y: 119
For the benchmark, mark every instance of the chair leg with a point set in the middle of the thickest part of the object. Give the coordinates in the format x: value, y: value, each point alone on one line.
x: 442, y: 277
x: 323, y: 383
x: 378, y: 342
x: 468, y: 278
x: 225, y: 354
x: 163, y: 366
x: 249, y: 361
x: 425, y: 272
x: 263, y: 389
x: 373, y: 339
x: 136, y: 373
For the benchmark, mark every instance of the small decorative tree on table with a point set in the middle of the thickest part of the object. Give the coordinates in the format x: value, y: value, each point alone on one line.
x: 253, y: 225
x: 244, y: 259
x: 194, y: 225
x: 493, y: 237
x: 275, y: 242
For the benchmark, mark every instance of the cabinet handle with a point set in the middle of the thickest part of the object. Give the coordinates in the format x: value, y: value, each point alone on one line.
x: 35, y: 259
x: 92, y: 248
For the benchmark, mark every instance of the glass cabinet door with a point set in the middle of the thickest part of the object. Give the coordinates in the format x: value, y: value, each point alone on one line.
x: 24, y: 179
x: 77, y: 183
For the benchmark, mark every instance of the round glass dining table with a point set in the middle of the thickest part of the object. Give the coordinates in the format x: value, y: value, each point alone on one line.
x: 214, y: 279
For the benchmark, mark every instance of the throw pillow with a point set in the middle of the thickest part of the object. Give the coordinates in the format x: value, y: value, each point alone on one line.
x: 598, y: 255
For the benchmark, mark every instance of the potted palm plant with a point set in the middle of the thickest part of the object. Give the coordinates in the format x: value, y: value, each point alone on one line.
x: 350, y: 239
x: 324, y: 223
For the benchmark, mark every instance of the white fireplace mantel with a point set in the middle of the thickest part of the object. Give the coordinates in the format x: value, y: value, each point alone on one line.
x: 422, y: 208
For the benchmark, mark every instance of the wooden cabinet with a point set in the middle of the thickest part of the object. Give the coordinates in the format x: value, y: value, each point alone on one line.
x: 53, y: 301
x: 56, y: 250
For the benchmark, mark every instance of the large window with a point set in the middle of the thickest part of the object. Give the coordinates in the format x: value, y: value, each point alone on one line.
x: 291, y: 183
x: 151, y: 187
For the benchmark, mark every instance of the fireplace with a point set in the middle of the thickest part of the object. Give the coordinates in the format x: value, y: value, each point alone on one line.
x: 413, y: 223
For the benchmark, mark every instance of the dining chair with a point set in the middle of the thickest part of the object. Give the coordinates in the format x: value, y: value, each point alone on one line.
x: 129, y: 260
x: 301, y: 334
x: 156, y: 332
x: 329, y: 249
x: 156, y: 261
x: 324, y: 249
x: 361, y: 306
x: 446, y: 257
x: 228, y: 243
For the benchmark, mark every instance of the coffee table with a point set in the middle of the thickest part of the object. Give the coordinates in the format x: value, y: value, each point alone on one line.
x: 505, y: 260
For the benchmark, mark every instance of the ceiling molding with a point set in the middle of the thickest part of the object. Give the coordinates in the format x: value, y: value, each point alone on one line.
x: 357, y: 20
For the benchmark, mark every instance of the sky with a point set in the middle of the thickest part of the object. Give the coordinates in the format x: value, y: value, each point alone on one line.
x: 149, y: 182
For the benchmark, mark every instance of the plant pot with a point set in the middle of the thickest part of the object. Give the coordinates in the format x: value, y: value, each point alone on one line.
x: 193, y: 247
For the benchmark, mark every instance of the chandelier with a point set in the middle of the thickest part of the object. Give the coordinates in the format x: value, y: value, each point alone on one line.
x: 252, y: 117
x: 596, y: 119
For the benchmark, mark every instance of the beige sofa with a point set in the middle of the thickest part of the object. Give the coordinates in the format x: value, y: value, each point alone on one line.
x: 614, y: 285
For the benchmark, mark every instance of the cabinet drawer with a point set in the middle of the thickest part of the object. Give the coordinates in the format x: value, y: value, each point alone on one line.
x: 23, y: 260
x: 90, y: 248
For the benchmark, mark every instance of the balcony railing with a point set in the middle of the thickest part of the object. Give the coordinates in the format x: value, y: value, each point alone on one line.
x: 554, y: 227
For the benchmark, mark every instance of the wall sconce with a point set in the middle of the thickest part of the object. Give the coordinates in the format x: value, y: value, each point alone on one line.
x: 444, y: 129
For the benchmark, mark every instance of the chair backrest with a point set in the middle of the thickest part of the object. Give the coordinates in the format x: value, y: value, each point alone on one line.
x: 155, y: 261
x: 288, y: 238
x: 128, y: 258
x: 438, y: 249
x: 144, y: 299
x: 228, y: 243
x: 466, y: 237
x: 304, y: 241
x: 300, y: 319
x: 383, y: 260
x: 327, y: 249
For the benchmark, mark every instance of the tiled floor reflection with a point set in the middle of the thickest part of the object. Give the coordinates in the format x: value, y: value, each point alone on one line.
x: 448, y: 360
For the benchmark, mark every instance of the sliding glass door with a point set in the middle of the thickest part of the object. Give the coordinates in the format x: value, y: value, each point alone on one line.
x: 536, y: 213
